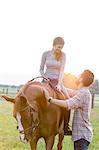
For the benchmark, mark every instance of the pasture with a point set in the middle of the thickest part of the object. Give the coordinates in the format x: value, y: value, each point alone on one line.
x: 9, y: 136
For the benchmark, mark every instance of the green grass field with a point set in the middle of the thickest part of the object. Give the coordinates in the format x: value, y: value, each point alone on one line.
x: 9, y: 136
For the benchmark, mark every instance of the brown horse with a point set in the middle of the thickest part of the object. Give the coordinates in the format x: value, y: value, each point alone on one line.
x: 36, y: 117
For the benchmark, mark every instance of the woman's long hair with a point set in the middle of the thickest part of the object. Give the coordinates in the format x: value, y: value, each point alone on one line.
x: 57, y: 54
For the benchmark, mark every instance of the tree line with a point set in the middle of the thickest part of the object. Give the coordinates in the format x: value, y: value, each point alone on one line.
x: 95, y: 87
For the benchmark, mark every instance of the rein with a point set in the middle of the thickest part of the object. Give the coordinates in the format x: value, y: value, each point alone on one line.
x: 46, y: 79
x: 23, y: 109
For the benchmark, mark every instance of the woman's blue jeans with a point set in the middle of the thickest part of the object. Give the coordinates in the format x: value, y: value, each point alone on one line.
x: 81, y: 144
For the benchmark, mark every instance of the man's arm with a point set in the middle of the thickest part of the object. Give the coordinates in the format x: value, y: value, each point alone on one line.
x: 61, y: 103
x: 71, y: 103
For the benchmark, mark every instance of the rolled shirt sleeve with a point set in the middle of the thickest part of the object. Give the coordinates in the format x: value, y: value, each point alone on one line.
x: 75, y: 102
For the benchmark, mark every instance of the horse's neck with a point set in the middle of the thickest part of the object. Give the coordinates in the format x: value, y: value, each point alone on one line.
x: 41, y: 100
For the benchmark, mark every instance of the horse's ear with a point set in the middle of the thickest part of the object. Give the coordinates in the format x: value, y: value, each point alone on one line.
x: 23, y: 99
x: 7, y: 98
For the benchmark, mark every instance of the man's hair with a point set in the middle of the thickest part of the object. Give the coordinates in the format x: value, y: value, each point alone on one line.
x: 58, y: 40
x: 87, y: 77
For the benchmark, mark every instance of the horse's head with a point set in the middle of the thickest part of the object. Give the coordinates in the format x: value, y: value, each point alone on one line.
x: 26, y: 110
x: 26, y: 116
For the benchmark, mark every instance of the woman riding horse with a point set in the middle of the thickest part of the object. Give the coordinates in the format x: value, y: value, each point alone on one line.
x: 54, y: 61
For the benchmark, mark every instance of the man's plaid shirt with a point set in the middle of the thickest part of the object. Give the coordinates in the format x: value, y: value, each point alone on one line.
x: 81, y: 103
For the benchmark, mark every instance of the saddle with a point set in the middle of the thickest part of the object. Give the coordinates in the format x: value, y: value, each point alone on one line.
x: 60, y: 94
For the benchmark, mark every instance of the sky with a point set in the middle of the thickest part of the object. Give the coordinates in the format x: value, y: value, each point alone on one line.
x: 28, y: 27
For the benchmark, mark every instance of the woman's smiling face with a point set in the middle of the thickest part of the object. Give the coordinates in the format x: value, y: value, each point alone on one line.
x: 57, y: 48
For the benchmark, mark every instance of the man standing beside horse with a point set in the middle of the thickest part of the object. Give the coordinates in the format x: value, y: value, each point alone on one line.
x: 81, y: 103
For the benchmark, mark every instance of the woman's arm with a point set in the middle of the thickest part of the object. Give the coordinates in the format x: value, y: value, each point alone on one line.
x: 43, y: 59
x: 61, y: 73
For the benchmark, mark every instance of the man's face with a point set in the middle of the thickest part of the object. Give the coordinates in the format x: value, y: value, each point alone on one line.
x: 79, y: 80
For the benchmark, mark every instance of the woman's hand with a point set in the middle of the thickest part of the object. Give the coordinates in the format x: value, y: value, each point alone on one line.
x: 58, y: 87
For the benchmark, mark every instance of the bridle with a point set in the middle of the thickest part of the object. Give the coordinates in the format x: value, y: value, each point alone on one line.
x: 34, y: 126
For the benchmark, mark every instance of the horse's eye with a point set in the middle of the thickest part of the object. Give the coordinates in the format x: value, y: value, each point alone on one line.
x: 17, y: 127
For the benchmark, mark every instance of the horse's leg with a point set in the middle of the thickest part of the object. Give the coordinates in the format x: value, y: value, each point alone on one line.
x: 33, y: 144
x: 49, y: 142
x: 59, y: 145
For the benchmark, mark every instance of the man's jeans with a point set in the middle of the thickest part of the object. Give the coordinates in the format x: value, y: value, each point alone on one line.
x: 81, y: 144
